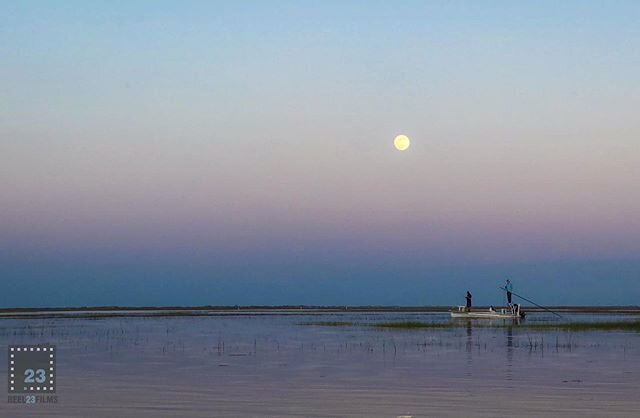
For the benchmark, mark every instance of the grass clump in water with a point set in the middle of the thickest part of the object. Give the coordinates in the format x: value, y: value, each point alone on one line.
x: 328, y: 324
x: 412, y: 325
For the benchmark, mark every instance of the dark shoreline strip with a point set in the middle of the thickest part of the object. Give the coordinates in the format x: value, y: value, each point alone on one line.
x: 321, y: 308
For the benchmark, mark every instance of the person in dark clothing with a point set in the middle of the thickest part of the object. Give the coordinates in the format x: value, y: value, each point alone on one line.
x: 468, y: 297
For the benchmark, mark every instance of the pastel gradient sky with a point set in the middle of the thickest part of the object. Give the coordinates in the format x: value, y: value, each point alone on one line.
x: 240, y: 152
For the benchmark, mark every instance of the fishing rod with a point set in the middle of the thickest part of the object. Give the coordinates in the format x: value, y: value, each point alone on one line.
x: 530, y: 301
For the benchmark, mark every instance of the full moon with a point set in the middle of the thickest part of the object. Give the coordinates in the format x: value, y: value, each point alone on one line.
x: 401, y: 142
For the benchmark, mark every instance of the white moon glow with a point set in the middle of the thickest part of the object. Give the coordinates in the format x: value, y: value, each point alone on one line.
x: 401, y: 142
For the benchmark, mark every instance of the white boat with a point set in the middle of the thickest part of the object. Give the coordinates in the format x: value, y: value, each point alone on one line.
x: 512, y: 312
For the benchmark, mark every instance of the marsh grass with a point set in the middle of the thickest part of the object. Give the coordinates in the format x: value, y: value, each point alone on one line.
x: 561, y: 326
x: 589, y: 326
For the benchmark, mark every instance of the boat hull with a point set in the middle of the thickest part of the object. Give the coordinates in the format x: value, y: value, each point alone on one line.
x: 483, y: 315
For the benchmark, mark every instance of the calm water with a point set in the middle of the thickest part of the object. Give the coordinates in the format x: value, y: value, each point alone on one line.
x: 271, y: 365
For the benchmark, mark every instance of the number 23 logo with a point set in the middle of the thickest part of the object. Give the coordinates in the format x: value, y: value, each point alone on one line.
x: 39, y: 376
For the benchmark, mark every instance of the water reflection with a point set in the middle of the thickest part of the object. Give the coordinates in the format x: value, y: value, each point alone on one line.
x: 509, y: 375
x: 469, y: 347
x: 257, y: 366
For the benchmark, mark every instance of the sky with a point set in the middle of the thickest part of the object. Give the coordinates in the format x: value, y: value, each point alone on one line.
x: 241, y: 152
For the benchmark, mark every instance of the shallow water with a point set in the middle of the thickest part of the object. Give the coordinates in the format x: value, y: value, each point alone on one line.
x: 271, y: 365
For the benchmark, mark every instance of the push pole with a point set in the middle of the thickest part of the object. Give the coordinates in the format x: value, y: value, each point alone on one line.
x: 530, y: 301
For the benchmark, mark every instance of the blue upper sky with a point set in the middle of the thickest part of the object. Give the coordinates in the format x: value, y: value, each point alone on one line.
x: 157, y: 152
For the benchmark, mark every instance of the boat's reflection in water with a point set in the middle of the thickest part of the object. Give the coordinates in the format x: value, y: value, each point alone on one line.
x: 469, y: 347
x: 509, y: 375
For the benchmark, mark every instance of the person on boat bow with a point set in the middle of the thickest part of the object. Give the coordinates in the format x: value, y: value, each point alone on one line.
x: 468, y: 297
x: 509, y: 288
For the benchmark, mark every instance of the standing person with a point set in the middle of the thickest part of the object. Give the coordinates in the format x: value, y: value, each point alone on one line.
x: 468, y: 297
x: 509, y: 288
